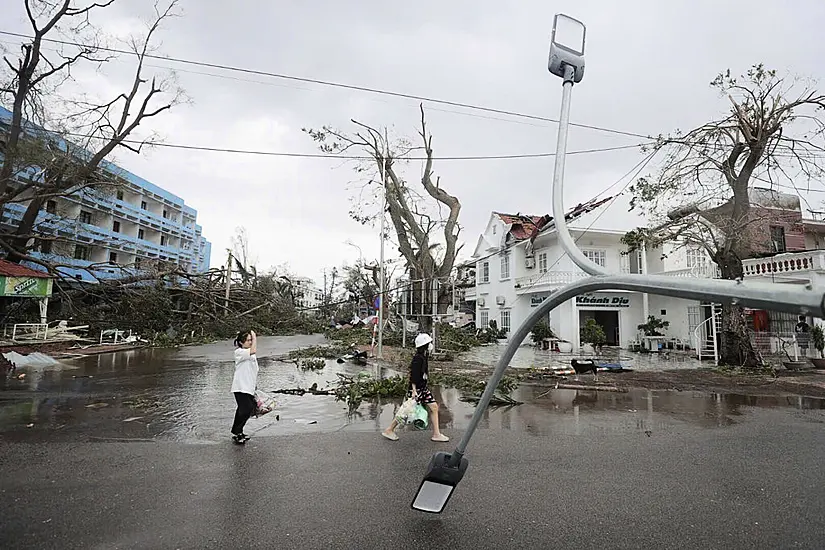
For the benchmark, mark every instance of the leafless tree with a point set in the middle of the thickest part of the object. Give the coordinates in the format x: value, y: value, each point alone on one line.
x: 413, y: 218
x: 41, y: 164
x: 772, y: 137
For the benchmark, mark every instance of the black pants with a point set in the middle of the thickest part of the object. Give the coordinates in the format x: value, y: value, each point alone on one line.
x: 246, y: 406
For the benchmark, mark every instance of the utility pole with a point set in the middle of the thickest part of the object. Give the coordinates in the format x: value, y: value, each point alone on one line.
x: 228, y: 281
x: 382, y: 267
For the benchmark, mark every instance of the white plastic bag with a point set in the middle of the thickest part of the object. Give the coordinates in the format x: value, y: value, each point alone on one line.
x: 264, y: 403
x: 405, y: 414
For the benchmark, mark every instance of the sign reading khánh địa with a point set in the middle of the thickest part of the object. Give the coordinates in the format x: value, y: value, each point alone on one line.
x: 25, y: 286
x: 536, y: 300
x: 603, y: 301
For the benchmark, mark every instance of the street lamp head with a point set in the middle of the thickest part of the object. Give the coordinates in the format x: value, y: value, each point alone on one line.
x: 443, y: 474
x: 567, y: 48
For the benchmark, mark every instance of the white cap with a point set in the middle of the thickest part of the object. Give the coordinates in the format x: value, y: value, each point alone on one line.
x: 422, y: 339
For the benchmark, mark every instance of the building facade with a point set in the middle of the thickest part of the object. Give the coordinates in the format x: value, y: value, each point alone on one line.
x: 129, y: 226
x: 519, y: 263
x: 307, y: 294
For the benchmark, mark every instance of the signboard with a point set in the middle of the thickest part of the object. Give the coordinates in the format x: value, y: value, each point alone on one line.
x: 25, y: 286
x: 601, y: 301
x: 536, y: 300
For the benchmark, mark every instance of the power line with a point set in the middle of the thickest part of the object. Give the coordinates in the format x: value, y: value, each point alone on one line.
x: 351, y: 157
x: 333, y: 85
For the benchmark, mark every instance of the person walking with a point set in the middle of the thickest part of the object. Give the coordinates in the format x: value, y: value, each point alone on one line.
x: 244, y: 382
x: 419, y: 373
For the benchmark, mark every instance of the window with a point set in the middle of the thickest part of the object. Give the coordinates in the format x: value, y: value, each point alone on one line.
x: 505, y: 320
x: 165, y: 213
x: 81, y: 252
x: 596, y: 256
x: 138, y: 261
x: 778, y: 238
x: 484, y: 273
x: 635, y: 261
x: 85, y: 217
x: 143, y: 205
x: 116, y: 226
x: 505, y: 266
x: 51, y: 207
x: 140, y: 233
x: 696, y: 257
x: 119, y: 195
x: 542, y: 262
x: 484, y: 318
x: 163, y: 240
x: 46, y: 247
x: 112, y: 257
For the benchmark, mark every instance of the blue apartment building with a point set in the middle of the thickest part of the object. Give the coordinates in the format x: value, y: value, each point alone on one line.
x: 131, y: 227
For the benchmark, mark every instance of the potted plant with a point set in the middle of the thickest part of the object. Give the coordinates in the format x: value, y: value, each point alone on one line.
x: 592, y: 333
x: 653, y: 327
x: 500, y: 334
x: 818, y: 340
x: 541, y: 332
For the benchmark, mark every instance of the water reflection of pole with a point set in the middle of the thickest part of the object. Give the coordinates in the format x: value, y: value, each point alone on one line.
x: 649, y: 410
x: 576, y: 418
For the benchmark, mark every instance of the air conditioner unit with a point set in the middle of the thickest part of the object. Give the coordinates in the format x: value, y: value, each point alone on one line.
x: 500, y: 300
x: 480, y: 302
x: 530, y: 262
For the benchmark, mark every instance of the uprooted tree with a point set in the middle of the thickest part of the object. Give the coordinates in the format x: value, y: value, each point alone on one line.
x: 415, y: 217
x: 702, y: 193
x: 44, y: 159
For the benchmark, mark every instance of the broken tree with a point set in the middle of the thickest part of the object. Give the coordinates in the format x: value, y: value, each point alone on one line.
x: 701, y: 196
x: 416, y: 218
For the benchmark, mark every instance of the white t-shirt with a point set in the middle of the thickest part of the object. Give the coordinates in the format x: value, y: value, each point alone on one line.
x: 246, y: 372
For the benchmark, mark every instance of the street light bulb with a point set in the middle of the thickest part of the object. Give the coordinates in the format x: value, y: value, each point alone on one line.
x: 569, y: 33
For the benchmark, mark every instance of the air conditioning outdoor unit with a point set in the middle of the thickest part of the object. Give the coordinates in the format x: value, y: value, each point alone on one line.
x: 500, y: 300
x: 530, y: 262
x: 480, y: 302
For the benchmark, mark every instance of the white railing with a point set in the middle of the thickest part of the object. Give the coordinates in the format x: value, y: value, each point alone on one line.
x: 780, y: 344
x: 790, y: 263
x: 704, y: 332
x: 702, y: 271
x: 29, y: 331
x: 548, y: 278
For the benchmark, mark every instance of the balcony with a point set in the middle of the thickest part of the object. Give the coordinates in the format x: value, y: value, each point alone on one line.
x: 470, y: 293
x: 543, y: 281
x: 702, y: 271
x: 794, y: 265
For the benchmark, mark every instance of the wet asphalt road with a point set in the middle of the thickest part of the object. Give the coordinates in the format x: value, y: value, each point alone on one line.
x: 568, y: 469
x: 756, y: 484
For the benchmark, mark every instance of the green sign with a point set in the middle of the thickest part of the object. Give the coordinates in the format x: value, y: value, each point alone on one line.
x: 25, y: 286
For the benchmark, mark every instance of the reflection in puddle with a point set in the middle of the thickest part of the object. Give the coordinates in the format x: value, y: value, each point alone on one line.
x: 184, y: 395
x: 528, y: 356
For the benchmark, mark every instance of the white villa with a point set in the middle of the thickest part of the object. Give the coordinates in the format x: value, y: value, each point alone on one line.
x: 519, y: 263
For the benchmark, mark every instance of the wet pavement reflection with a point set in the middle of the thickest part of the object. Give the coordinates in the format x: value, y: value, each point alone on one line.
x: 529, y: 356
x: 183, y: 395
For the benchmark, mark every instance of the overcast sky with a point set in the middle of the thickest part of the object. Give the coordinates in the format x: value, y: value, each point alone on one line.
x: 648, y: 68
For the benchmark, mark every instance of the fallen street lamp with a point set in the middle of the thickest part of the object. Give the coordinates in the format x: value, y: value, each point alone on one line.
x: 443, y: 474
x: 446, y: 470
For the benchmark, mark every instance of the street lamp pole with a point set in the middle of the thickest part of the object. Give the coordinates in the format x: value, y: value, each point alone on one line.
x: 446, y: 470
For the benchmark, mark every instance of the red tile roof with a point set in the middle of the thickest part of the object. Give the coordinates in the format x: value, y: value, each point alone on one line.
x: 528, y: 227
x: 11, y: 269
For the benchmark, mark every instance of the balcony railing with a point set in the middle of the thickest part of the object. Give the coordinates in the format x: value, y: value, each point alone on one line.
x: 702, y: 271
x: 549, y: 278
x: 781, y: 264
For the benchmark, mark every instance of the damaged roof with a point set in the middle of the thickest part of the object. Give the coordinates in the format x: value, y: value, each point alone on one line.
x: 11, y: 269
x: 523, y: 226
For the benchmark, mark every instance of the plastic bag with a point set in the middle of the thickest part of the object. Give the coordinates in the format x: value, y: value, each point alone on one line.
x: 406, y: 411
x: 420, y: 417
x: 264, y: 403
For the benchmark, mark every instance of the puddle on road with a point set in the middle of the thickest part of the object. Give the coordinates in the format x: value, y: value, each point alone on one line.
x: 528, y: 356
x: 184, y: 395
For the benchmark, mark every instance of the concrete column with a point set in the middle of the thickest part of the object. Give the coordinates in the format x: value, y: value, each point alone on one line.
x: 645, y: 297
x: 44, y: 308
